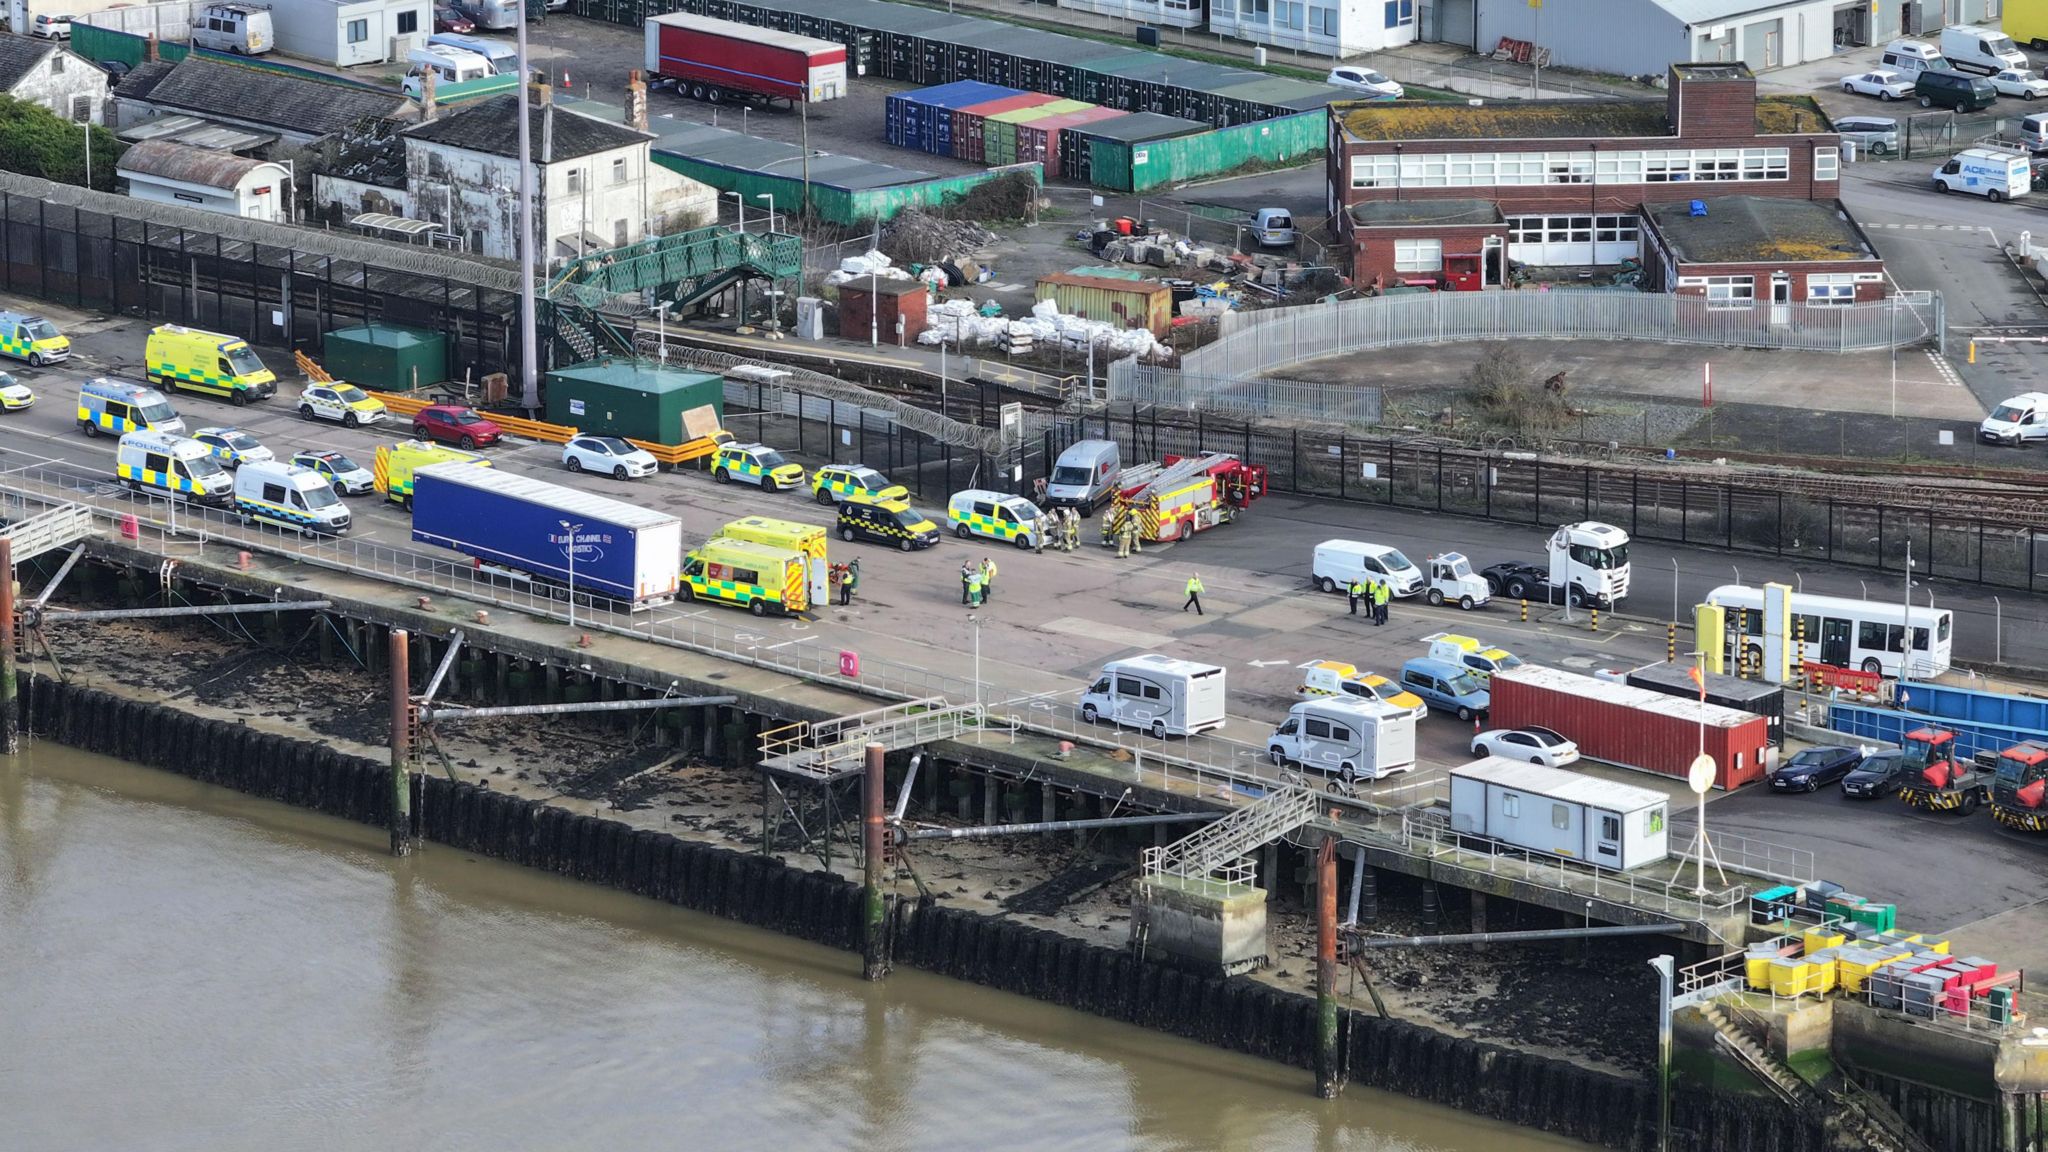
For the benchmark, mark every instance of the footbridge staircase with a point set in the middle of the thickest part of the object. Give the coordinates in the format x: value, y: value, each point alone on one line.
x: 590, y: 296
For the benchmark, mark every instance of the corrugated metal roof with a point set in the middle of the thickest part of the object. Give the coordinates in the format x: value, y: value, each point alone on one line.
x: 188, y: 165
x: 1709, y: 11
x: 722, y: 146
x: 1104, y: 283
x: 1555, y: 783
x: 1589, y: 688
x: 567, y: 501
x: 768, y: 36
x: 199, y: 133
x: 1139, y: 127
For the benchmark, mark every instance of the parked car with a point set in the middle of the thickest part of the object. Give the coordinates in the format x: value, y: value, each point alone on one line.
x: 1880, y: 774
x: 1364, y: 80
x: 1877, y: 135
x: 2021, y: 82
x: 447, y: 19
x: 454, y: 424
x: 1807, y: 771
x: 1446, y: 686
x: 233, y: 447
x: 1883, y: 83
x: 50, y: 26
x: 1534, y: 744
x: 14, y: 395
x: 836, y: 482
x: 347, y: 477
x: 610, y: 455
x: 1954, y: 90
x: 341, y: 401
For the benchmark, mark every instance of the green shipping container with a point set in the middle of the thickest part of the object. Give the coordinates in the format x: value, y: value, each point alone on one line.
x: 631, y: 398
x: 1138, y: 167
x: 999, y: 135
x: 386, y: 357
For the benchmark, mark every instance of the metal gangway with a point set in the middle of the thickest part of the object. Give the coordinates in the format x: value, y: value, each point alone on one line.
x: 1194, y: 859
x: 830, y: 748
x: 48, y: 531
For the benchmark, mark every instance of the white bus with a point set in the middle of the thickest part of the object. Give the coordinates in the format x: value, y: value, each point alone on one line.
x: 1864, y: 634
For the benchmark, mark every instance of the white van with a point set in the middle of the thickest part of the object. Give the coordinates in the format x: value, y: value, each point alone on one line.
x: 1985, y: 50
x: 2022, y: 418
x: 288, y: 496
x: 502, y: 56
x: 1085, y: 475
x: 1351, y: 740
x: 148, y: 459
x: 1992, y: 173
x: 243, y: 29
x: 1159, y: 694
x: 996, y: 515
x: 1912, y: 58
x: 449, y: 66
x: 1338, y: 562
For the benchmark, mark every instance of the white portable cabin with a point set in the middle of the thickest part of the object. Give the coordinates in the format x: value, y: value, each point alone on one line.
x: 1159, y: 694
x: 1560, y: 813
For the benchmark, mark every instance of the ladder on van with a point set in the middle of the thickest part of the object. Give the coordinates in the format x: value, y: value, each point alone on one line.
x: 1197, y: 856
x: 1180, y: 472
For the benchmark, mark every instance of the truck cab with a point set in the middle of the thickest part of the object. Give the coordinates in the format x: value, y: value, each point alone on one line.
x: 1451, y: 579
x: 2019, y: 796
x: 1349, y: 739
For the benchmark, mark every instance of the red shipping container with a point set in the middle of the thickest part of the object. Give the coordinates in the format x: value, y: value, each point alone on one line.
x: 968, y: 122
x: 1632, y: 727
x: 1040, y: 139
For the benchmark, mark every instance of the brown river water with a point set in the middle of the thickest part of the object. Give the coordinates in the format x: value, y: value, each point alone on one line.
x: 186, y: 968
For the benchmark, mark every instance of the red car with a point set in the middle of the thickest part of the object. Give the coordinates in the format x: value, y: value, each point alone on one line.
x: 455, y: 425
x: 447, y: 19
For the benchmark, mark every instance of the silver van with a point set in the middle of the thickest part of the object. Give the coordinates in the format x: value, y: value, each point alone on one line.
x: 1873, y: 135
x: 1085, y: 475
x: 243, y: 29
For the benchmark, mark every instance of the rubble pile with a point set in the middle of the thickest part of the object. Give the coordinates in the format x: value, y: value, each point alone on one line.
x: 914, y: 236
x: 961, y: 324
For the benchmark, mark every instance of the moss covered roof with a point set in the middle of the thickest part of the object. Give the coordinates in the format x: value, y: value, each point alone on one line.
x: 1754, y: 229
x: 1522, y: 119
x: 1789, y: 115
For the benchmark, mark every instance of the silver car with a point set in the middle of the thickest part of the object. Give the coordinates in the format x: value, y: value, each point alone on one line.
x: 1877, y: 135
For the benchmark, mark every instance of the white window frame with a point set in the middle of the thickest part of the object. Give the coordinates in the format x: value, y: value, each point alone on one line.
x: 619, y: 170
x: 1831, y: 289
x: 574, y: 178
x: 1730, y: 292
x: 1827, y: 164
x: 1324, y: 21
x: 1530, y: 169
x: 1419, y: 255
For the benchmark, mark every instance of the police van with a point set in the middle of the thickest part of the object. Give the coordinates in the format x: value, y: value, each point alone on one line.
x: 117, y: 407
x: 209, y: 362
x: 288, y: 496
x: 886, y: 522
x: 32, y: 338
x: 174, y: 464
x: 996, y: 515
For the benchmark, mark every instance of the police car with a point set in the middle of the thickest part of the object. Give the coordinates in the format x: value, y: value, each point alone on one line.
x: 14, y: 396
x: 836, y: 482
x: 233, y: 447
x: 347, y: 477
x: 341, y: 402
x: 886, y: 522
x: 755, y: 464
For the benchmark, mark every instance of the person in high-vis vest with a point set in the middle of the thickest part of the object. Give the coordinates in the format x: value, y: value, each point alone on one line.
x: 1073, y: 530
x: 1194, y: 596
x: 1355, y: 593
x: 974, y: 587
x: 1381, y: 594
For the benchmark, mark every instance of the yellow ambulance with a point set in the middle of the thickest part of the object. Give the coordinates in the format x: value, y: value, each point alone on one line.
x: 187, y: 358
x: 25, y: 336
x: 757, y: 577
x: 396, y: 463
x: 809, y: 539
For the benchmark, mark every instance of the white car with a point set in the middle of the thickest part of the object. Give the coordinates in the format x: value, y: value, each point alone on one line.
x: 2020, y: 82
x: 342, y: 402
x: 1364, y: 80
x: 1536, y: 745
x: 1882, y: 83
x: 50, y: 26
x: 610, y: 455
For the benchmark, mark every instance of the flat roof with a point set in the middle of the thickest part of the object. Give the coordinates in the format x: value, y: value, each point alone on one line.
x: 635, y: 374
x: 730, y: 149
x: 1140, y: 127
x: 1752, y: 229
x: 1368, y: 120
x: 198, y: 132
x: 1607, y: 691
x: 1561, y: 784
x: 1714, y: 70
x: 1390, y: 213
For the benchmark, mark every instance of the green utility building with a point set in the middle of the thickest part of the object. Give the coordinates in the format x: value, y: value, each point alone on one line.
x: 632, y: 398
x: 386, y: 357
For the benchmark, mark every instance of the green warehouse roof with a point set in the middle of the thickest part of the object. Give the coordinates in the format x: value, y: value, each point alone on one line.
x: 636, y: 374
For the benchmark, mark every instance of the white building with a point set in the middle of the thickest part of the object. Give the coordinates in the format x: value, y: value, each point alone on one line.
x: 596, y: 184
x: 221, y: 182
x: 41, y: 72
x: 1336, y: 28
x: 351, y: 32
x: 297, y: 108
x: 1171, y: 13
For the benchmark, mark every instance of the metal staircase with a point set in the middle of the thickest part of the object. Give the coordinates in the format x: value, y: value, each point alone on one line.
x: 672, y: 266
x: 831, y: 748
x: 1856, y: 1118
x: 1197, y: 856
x: 48, y: 531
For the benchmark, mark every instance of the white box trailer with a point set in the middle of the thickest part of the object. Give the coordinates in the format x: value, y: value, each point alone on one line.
x: 1560, y: 813
x: 1159, y: 694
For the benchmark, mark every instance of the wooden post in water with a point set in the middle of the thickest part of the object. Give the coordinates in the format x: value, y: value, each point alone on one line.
x: 1328, y: 1078
x: 874, y: 963
x: 10, y: 743
x: 401, y: 742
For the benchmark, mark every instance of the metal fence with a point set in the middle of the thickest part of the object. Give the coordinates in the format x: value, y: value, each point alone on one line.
x: 1134, y: 383
x: 1261, y: 341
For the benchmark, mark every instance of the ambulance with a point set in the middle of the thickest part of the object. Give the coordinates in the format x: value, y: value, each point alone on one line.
x: 174, y: 464
x: 118, y: 407
x: 32, y: 338
x: 1326, y: 679
x: 979, y: 512
x: 396, y: 463
x: 288, y: 496
x: 1479, y: 659
x: 808, y: 539
x: 209, y: 362
x: 755, y: 464
x: 757, y: 577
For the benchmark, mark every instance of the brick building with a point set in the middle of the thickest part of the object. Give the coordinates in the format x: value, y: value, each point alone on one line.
x: 1452, y: 193
x: 1736, y: 250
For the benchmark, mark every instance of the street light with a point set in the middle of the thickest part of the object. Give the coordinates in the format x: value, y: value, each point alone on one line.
x: 770, y: 198
x: 661, y: 329
x: 570, y: 550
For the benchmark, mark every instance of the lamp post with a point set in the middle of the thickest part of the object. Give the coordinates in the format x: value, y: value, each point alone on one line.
x: 770, y: 198
x: 874, y: 310
x: 570, y: 550
x: 529, y: 326
x: 1906, y: 618
x: 661, y: 329
x: 87, y: 125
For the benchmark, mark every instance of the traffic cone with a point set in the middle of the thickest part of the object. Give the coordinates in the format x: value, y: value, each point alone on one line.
x: 1475, y: 725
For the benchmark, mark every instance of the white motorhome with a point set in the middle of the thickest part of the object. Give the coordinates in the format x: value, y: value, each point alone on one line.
x: 449, y: 66
x: 1912, y: 58
x: 1348, y: 738
x: 288, y: 496
x: 243, y: 29
x: 503, y: 55
x: 1337, y: 563
x: 1986, y: 50
x: 1559, y: 813
x: 1992, y: 173
x: 1159, y: 694
x: 1085, y: 475
x: 152, y: 460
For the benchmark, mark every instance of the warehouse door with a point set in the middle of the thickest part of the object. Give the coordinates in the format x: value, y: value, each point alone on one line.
x: 1457, y: 22
x: 1760, y: 43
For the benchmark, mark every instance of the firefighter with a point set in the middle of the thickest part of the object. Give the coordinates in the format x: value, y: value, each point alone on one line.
x: 1073, y: 530
x: 1194, y: 596
x: 1126, y: 535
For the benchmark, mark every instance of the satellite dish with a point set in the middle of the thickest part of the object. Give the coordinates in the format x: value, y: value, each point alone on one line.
x: 1700, y: 776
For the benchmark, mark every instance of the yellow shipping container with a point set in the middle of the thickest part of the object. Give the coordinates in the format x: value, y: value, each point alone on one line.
x: 1126, y: 303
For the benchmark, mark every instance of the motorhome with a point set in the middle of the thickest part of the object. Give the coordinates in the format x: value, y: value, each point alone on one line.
x: 449, y: 66
x: 1347, y: 738
x: 1159, y: 694
x: 243, y: 29
x: 502, y: 55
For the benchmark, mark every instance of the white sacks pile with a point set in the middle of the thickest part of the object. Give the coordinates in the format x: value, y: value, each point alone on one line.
x: 869, y: 265
x: 958, y: 323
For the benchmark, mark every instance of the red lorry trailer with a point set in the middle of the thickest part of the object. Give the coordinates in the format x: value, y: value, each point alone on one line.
x: 719, y: 61
x: 1632, y: 727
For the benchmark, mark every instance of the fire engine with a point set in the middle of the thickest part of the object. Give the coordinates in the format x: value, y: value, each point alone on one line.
x: 1183, y: 495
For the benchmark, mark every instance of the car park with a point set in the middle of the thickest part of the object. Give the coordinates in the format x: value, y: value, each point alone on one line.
x: 343, y: 403
x: 1879, y: 774
x: 1808, y: 770
x: 1364, y: 80
x: 886, y: 522
x: 1877, y: 135
x: 1534, y: 744
x: 2022, y: 418
x: 14, y: 395
x: 454, y: 424
x: 836, y: 482
x: 344, y: 475
x: 609, y: 455
x: 1883, y: 83
x: 2021, y: 82
x: 233, y: 447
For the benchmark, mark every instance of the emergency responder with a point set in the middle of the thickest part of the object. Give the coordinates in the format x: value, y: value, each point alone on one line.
x: 1194, y: 596
x: 974, y: 587
x: 966, y: 571
x: 849, y: 579
x: 1073, y: 530
x: 1380, y: 595
x: 1126, y: 535
x: 1355, y: 592
x: 988, y: 579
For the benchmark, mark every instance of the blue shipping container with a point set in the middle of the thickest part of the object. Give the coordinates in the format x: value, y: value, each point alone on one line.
x: 1995, y: 708
x: 517, y: 522
x: 927, y: 121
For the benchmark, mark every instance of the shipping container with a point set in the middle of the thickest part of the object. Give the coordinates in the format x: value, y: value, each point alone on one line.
x: 1077, y: 158
x: 386, y: 357
x: 1632, y: 727
x: 1141, y: 166
x: 514, y: 523
x: 632, y: 398
x: 923, y: 119
x: 1755, y: 697
x: 716, y: 60
x: 1044, y: 141
x: 968, y: 127
x: 999, y: 134
x: 1560, y: 813
x: 1144, y: 304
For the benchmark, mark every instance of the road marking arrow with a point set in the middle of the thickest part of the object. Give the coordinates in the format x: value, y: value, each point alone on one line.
x: 1265, y: 663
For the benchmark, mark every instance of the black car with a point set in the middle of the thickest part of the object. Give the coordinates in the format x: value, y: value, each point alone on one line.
x: 1880, y: 774
x: 1808, y: 770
